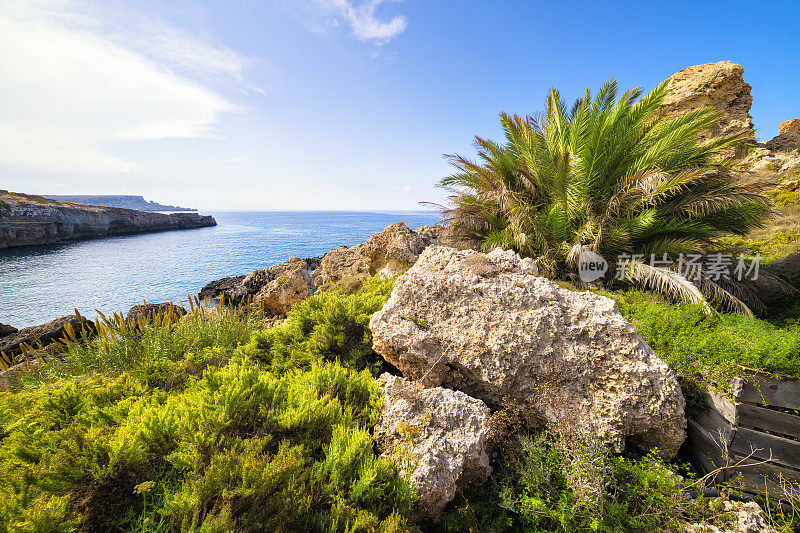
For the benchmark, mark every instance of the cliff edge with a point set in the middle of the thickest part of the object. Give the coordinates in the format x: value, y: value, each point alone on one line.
x: 30, y: 220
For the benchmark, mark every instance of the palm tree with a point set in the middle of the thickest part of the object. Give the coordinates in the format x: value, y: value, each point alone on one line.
x: 613, y: 176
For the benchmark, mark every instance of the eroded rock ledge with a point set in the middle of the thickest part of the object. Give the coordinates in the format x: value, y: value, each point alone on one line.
x: 27, y: 220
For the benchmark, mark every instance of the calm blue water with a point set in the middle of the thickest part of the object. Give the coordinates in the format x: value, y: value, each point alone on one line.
x: 40, y: 283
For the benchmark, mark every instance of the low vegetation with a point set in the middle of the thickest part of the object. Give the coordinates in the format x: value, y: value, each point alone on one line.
x: 548, y: 481
x: 193, y: 426
x: 711, y: 348
x: 213, y: 423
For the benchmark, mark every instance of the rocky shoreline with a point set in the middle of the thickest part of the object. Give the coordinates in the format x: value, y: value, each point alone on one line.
x: 27, y: 220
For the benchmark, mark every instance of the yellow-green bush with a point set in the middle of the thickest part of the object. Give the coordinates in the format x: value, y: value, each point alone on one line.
x: 325, y: 327
x: 194, y: 435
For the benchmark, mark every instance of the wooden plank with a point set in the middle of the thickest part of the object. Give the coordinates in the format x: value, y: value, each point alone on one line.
x: 704, y: 449
x: 720, y: 403
x: 765, y: 446
x: 765, y: 478
x: 776, y: 392
x: 716, y: 424
x: 753, y: 416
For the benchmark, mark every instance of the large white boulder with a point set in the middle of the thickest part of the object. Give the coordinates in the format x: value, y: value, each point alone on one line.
x: 487, y: 325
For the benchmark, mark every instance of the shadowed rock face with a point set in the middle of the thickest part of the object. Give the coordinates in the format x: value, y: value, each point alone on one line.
x: 30, y: 220
x: 44, y: 334
x: 487, y: 325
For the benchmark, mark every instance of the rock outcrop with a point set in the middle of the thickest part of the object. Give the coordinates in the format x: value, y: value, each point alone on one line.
x: 385, y: 254
x: 43, y: 335
x: 276, y: 289
x: 778, y: 155
x: 444, y: 434
x: 720, y: 86
x: 213, y: 290
x: 30, y: 220
x: 6, y: 330
x: 146, y: 312
x: 487, y: 325
x: 789, y: 125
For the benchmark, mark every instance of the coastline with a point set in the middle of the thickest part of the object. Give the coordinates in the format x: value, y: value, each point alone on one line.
x: 28, y: 220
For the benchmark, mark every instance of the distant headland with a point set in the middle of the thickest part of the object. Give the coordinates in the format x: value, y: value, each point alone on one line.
x: 116, y: 200
x: 27, y: 220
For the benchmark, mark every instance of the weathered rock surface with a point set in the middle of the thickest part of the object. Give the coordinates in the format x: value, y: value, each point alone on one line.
x: 6, y: 330
x: 780, y: 154
x: 276, y: 288
x: 147, y: 311
x: 44, y: 334
x: 720, y: 86
x: 789, y: 125
x: 487, y: 325
x: 743, y: 518
x: 449, y: 434
x: 226, y: 286
x: 386, y: 254
x: 448, y: 234
x: 29, y: 220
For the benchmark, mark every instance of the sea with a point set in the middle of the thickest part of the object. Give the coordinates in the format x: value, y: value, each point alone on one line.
x: 40, y: 283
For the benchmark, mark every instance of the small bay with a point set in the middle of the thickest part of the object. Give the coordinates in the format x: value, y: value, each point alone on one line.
x: 40, y: 283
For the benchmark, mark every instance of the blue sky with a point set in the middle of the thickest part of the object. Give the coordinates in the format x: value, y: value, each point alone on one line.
x: 332, y: 104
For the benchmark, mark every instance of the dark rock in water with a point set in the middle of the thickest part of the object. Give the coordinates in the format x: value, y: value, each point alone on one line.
x: 27, y: 220
x: 147, y: 311
x: 44, y: 336
x: 6, y: 330
x: 224, y: 285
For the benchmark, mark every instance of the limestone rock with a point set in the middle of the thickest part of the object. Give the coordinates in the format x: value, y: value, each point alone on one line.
x: 742, y: 517
x: 789, y: 125
x: 386, y: 254
x: 448, y: 430
x: 451, y: 235
x: 146, y: 311
x: 487, y: 325
x: 44, y: 334
x: 779, y: 155
x: 720, y: 86
x: 13, y: 376
x: 276, y: 288
x: 290, y: 283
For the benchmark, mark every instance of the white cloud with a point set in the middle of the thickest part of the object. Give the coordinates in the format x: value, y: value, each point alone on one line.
x: 236, y: 159
x: 70, y: 88
x: 401, y: 188
x: 363, y: 20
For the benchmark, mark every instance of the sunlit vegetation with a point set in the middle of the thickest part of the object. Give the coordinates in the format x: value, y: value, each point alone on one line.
x: 174, y: 425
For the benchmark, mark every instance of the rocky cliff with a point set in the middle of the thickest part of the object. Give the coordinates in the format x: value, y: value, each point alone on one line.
x: 29, y: 220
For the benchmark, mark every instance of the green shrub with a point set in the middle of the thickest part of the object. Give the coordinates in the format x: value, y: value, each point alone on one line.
x: 325, y: 327
x: 549, y: 482
x: 785, y: 198
x: 710, y: 347
x: 187, y: 432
